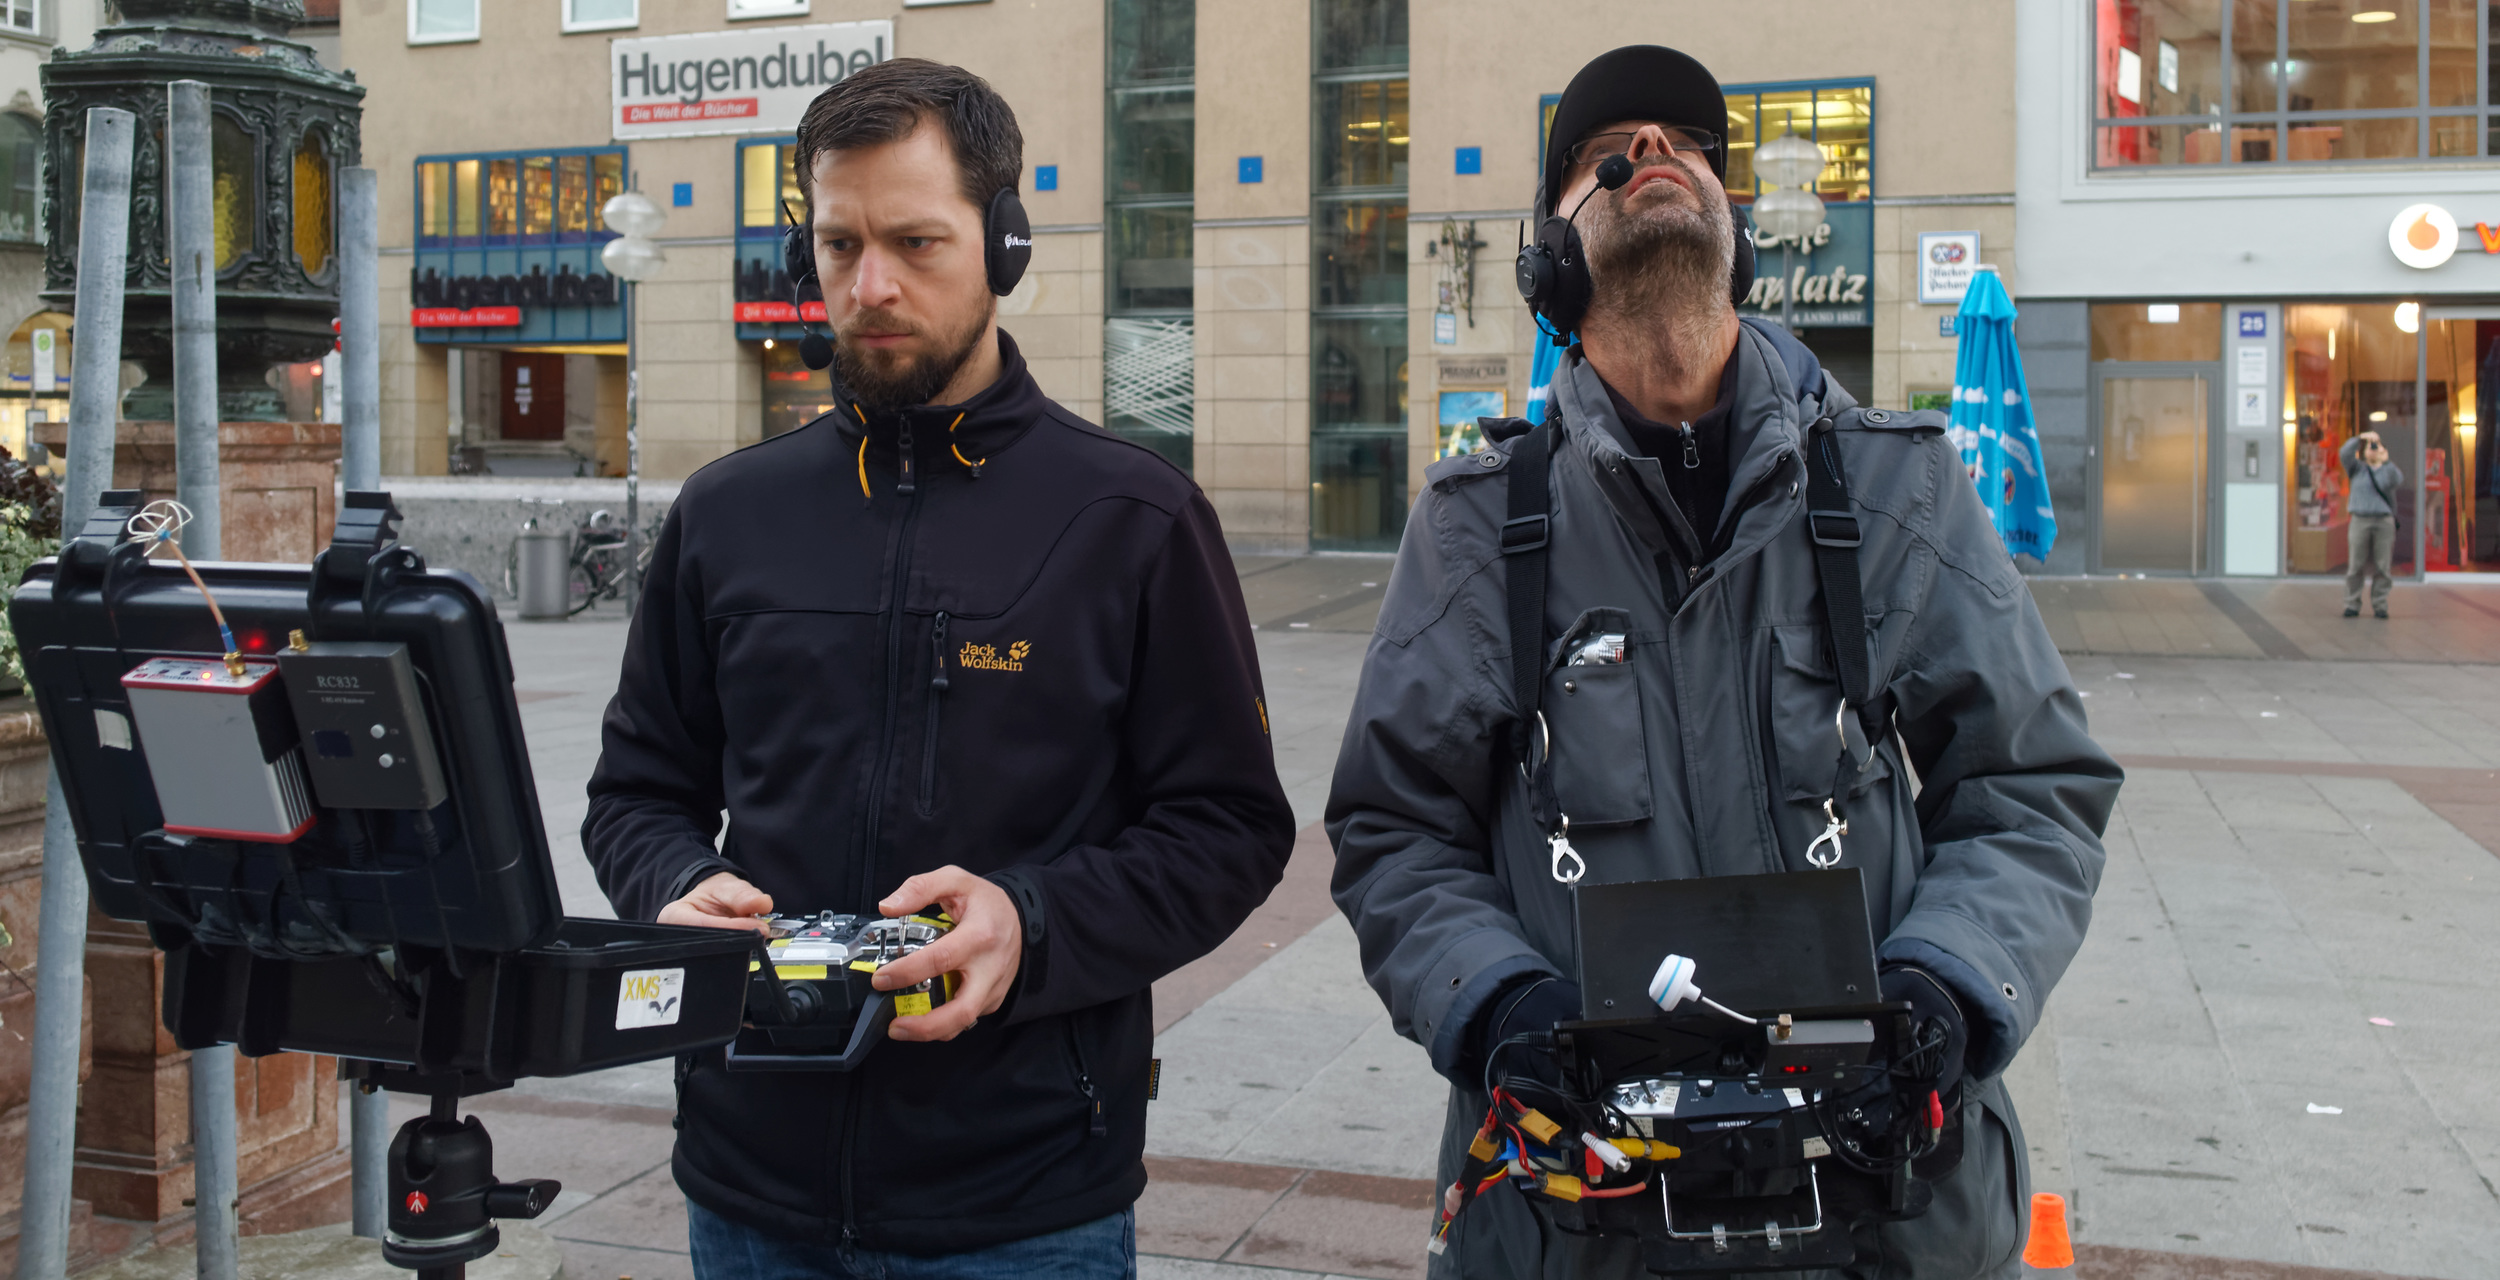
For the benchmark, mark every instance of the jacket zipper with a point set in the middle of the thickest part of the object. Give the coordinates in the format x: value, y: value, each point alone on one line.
x: 1095, y: 1125
x: 937, y: 700
x: 1692, y: 451
x: 877, y: 778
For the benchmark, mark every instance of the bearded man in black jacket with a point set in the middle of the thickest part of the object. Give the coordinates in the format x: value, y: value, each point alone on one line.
x: 947, y: 644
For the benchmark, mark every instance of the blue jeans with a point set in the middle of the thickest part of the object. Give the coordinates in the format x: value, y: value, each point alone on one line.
x: 1104, y: 1249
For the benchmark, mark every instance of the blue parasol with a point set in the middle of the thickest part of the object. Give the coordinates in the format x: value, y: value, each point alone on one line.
x: 1992, y: 423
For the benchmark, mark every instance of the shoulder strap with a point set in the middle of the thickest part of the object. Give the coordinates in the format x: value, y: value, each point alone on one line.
x: 1836, y: 540
x: 1524, y: 535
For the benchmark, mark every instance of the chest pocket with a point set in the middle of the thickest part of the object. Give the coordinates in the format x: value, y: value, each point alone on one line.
x: 1803, y: 702
x: 1593, y: 710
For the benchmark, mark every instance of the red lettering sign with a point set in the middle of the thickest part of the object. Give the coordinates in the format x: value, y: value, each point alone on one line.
x: 671, y: 112
x: 777, y: 312
x: 2490, y: 235
x: 456, y: 318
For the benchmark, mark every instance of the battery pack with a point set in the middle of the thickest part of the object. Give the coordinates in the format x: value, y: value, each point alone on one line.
x: 222, y: 749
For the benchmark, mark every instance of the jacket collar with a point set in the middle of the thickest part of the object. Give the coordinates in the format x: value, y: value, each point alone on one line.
x: 959, y: 437
x: 1767, y: 418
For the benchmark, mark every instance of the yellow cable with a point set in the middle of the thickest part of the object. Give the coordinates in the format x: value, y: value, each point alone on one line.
x: 863, y: 468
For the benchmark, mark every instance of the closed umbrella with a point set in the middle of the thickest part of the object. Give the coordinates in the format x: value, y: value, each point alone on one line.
x: 1992, y: 423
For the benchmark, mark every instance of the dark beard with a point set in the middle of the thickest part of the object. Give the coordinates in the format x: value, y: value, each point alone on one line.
x: 1667, y: 259
x: 883, y: 381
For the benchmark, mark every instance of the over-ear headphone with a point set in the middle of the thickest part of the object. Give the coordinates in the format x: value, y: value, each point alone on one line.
x: 1006, y: 250
x: 1554, y: 271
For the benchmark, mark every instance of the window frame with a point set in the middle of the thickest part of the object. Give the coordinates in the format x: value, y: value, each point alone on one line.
x: 746, y: 10
x: 41, y: 31
x: 571, y: 25
x: 477, y: 25
x: 2483, y: 112
x: 485, y: 238
x: 1757, y: 89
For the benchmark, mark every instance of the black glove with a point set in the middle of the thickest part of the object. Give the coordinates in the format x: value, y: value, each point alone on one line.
x: 1533, y: 1005
x: 1929, y: 1001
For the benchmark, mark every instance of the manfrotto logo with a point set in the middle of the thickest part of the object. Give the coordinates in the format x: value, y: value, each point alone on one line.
x: 985, y: 657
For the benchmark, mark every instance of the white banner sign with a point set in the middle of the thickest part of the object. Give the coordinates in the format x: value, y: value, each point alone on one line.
x: 1946, y: 260
x: 744, y: 81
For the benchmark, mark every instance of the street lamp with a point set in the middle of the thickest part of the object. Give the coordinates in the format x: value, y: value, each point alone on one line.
x: 632, y: 258
x: 1790, y: 211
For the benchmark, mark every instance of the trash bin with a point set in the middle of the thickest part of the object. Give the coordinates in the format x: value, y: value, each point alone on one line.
x: 545, y: 568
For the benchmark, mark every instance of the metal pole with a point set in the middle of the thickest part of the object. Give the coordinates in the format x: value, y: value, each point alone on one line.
x: 360, y: 331
x: 61, y: 940
x: 191, y: 226
x: 190, y: 208
x: 369, y: 1142
x: 213, y: 1189
x: 633, y: 453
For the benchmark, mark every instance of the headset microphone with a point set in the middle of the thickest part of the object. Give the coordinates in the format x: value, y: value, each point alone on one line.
x: 798, y: 261
x: 1553, y: 277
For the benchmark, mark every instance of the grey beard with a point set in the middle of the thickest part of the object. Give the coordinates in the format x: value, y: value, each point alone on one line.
x: 1666, y: 270
x: 887, y: 384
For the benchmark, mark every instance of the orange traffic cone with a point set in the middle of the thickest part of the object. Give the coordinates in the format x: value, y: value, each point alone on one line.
x: 2049, y: 1248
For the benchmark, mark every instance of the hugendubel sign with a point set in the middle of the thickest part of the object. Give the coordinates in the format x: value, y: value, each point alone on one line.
x: 755, y: 80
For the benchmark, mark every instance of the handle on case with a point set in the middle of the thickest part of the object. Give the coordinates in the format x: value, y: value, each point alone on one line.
x: 864, y: 1036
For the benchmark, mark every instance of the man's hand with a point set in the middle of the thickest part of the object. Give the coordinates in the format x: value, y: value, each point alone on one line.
x: 984, y: 950
x: 721, y: 901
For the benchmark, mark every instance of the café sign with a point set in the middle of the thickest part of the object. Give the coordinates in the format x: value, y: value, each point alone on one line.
x: 751, y: 80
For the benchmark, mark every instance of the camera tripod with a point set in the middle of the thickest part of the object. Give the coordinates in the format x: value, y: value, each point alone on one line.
x: 444, y: 1198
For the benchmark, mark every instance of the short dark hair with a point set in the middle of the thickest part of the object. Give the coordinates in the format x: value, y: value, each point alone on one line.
x: 886, y: 102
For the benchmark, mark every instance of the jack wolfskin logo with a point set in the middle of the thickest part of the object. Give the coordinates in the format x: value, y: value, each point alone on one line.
x: 985, y: 657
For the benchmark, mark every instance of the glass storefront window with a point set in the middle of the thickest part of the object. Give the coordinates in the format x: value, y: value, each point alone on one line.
x: 503, y: 205
x: 794, y: 395
x: 1152, y: 141
x: 1359, y: 250
x: 1358, y: 432
x: 2350, y: 368
x: 573, y: 193
x: 21, y: 141
x: 1363, y: 134
x: 766, y: 183
x: 2205, y: 82
x: 550, y: 198
x: 1359, y: 405
x: 1839, y: 118
x: 538, y: 195
x: 1359, y: 33
x: 2164, y: 331
x: 464, y: 197
x: 1150, y: 254
x: 1150, y: 225
x: 1153, y: 40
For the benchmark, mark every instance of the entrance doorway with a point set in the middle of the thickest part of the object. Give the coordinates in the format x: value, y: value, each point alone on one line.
x: 2152, y: 451
x: 533, y: 396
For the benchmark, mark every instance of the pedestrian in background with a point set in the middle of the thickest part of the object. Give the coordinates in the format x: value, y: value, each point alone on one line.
x: 2374, y: 481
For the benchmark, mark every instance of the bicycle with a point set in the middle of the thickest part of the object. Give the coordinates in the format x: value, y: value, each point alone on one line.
x: 597, y: 571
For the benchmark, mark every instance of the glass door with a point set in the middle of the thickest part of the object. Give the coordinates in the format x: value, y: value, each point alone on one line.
x: 2152, y: 454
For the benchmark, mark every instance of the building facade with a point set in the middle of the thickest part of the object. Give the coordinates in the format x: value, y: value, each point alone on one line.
x: 2254, y: 230
x: 29, y: 31
x: 1273, y: 240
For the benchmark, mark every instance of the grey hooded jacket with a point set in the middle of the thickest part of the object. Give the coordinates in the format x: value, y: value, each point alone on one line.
x: 1710, y: 751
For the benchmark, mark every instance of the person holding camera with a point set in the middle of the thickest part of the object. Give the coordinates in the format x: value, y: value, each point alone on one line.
x: 1705, y: 561
x: 2370, y: 543
x: 949, y: 644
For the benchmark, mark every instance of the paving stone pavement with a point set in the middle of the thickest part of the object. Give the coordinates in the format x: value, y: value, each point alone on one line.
x: 2305, y: 843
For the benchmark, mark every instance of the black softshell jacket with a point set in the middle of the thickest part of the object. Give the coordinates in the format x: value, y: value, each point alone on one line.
x: 998, y: 637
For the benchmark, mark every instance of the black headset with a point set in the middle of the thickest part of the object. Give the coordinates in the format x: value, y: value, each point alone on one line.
x: 1554, y: 271
x: 1006, y: 250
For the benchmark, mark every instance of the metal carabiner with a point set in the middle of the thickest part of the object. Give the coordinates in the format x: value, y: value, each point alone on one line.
x: 1831, y: 835
x: 1560, y: 845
